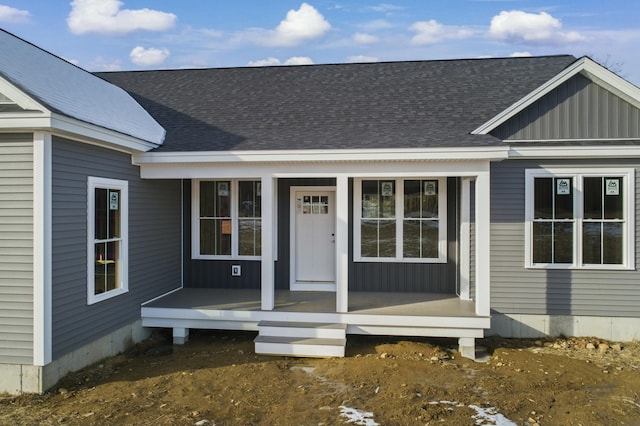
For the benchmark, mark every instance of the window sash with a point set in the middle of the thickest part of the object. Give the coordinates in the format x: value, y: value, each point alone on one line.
x: 404, y: 227
x: 601, y: 234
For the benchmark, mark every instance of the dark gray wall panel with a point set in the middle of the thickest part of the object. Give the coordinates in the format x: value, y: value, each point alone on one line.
x: 154, y: 243
x: 578, y: 109
x: 515, y: 289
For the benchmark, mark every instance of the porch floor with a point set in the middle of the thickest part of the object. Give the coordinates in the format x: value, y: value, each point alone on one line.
x: 366, y: 303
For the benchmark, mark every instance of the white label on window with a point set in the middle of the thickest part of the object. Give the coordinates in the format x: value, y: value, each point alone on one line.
x: 259, y: 189
x: 223, y: 189
x: 612, y: 186
x: 387, y: 189
x: 430, y: 187
x: 563, y: 186
x: 113, y: 201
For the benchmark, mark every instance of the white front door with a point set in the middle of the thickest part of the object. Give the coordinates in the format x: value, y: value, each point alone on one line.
x: 313, y: 250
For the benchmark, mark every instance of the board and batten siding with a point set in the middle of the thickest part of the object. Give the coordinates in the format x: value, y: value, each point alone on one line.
x: 516, y: 290
x: 578, y: 109
x: 154, y: 243
x: 16, y: 248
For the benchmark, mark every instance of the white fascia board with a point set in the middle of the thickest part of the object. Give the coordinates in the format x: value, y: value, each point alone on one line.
x: 584, y: 65
x: 19, y: 97
x: 346, y: 155
x: 578, y: 151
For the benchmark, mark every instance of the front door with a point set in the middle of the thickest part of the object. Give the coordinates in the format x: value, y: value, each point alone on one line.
x: 313, y: 249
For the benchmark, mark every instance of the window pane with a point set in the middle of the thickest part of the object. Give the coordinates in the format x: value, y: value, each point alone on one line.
x: 543, y: 198
x: 430, y: 238
x: 106, y: 267
x: 248, y: 199
x: 370, y: 199
x: 593, y: 198
x: 207, y: 198
x: 249, y: 235
x: 430, y: 198
x: 215, y: 236
x: 114, y: 214
x: 387, y: 238
x: 412, y: 198
x: 542, y: 239
x: 612, y: 243
x: 411, y: 235
x: 369, y: 238
x: 613, y: 198
x: 563, y: 242
x: 100, y: 211
x: 591, y: 242
x: 388, y: 198
x: 563, y: 198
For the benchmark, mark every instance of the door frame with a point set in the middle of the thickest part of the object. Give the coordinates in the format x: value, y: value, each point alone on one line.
x: 293, y: 284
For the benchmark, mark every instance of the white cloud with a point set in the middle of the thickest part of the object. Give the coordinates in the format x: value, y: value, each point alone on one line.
x: 107, y: 17
x: 11, y: 14
x: 520, y: 54
x: 362, y: 58
x: 386, y: 7
x: 530, y: 27
x: 377, y: 24
x: 271, y: 61
x: 102, y: 64
x: 148, y: 57
x: 300, y: 25
x: 430, y: 32
x: 363, y: 38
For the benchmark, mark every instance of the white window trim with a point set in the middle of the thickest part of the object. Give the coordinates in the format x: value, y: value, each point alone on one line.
x: 123, y: 264
x: 628, y: 206
x: 195, y: 221
x: 399, y: 219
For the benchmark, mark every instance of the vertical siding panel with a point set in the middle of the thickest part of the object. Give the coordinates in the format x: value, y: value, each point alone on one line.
x: 16, y: 248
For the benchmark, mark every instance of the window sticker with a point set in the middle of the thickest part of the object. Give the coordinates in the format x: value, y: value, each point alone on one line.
x: 223, y: 189
x: 226, y: 227
x: 612, y: 186
x: 113, y: 200
x: 430, y: 187
x: 386, y: 189
x: 563, y: 186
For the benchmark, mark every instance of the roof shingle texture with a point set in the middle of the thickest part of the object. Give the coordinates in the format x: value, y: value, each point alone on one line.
x: 349, y: 106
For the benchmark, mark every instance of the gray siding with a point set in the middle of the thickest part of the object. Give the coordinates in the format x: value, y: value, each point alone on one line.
x: 515, y: 289
x: 577, y: 109
x: 154, y: 243
x: 16, y: 249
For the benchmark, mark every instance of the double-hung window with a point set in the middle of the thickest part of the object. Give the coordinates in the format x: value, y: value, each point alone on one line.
x: 107, y: 245
x: 400, y: 220
x: 579, y: 219
x: 227, y: 219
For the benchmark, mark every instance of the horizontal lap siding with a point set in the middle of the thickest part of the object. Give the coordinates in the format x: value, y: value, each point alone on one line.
x: 515, y: 289
x: 154, y: 243
x: 16, y: 249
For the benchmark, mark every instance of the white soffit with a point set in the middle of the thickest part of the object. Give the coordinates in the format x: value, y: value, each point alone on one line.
x: 74, y: 92
x: 587, y: 67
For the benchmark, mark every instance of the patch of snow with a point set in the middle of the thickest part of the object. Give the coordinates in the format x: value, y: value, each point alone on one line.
x: 358, y: 417
x: 484, y: 416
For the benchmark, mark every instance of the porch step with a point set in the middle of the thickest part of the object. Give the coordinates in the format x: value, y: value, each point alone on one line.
x: 301, y: 339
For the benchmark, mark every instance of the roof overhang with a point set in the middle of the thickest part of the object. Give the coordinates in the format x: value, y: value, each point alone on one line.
x: 585, y: 66
x: 578, y: 151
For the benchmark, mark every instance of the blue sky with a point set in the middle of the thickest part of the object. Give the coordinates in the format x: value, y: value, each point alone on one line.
x: 103, y: 35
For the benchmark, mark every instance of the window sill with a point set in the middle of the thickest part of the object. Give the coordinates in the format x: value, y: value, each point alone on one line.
x: 395, y: 260
x: 582, y: 268
x: 208, y: 257
x: 92, y: 299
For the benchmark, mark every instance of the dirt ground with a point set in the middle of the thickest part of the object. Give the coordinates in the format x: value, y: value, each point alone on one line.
x: 217, y: 379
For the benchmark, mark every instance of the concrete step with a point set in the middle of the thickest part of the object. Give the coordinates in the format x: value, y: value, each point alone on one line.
x: 302, y: 329
x: 300, y: 346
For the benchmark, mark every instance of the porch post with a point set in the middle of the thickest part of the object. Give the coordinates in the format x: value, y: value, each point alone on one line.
x: 465, y: 237
x: 266, y: 265
x: 483, y: 258
x: 342, y: 243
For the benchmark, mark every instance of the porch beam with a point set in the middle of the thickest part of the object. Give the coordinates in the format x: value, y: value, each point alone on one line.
x: 483, y: 258
x: 266, y: 265
x: 342, y: 243
x: 465, y: 238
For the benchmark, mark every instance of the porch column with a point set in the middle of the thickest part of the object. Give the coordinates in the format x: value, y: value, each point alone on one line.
x: 483, y: 258
x: 266, y: 265
x: 465, y: 237
x: 342, y: 243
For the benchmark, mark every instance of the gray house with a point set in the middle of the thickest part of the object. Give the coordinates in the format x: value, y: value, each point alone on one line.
x: 431, y: 198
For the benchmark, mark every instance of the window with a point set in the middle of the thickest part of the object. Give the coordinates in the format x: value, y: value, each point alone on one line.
x: 107, y: 231
x: 579, y: 219
x: 400, y: 220
x: 227, y: 219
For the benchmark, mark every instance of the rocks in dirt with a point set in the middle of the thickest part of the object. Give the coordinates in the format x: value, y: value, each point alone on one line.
x: 590, y: 346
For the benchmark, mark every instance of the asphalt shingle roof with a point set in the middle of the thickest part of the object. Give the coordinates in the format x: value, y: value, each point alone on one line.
x: 376, y: 105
